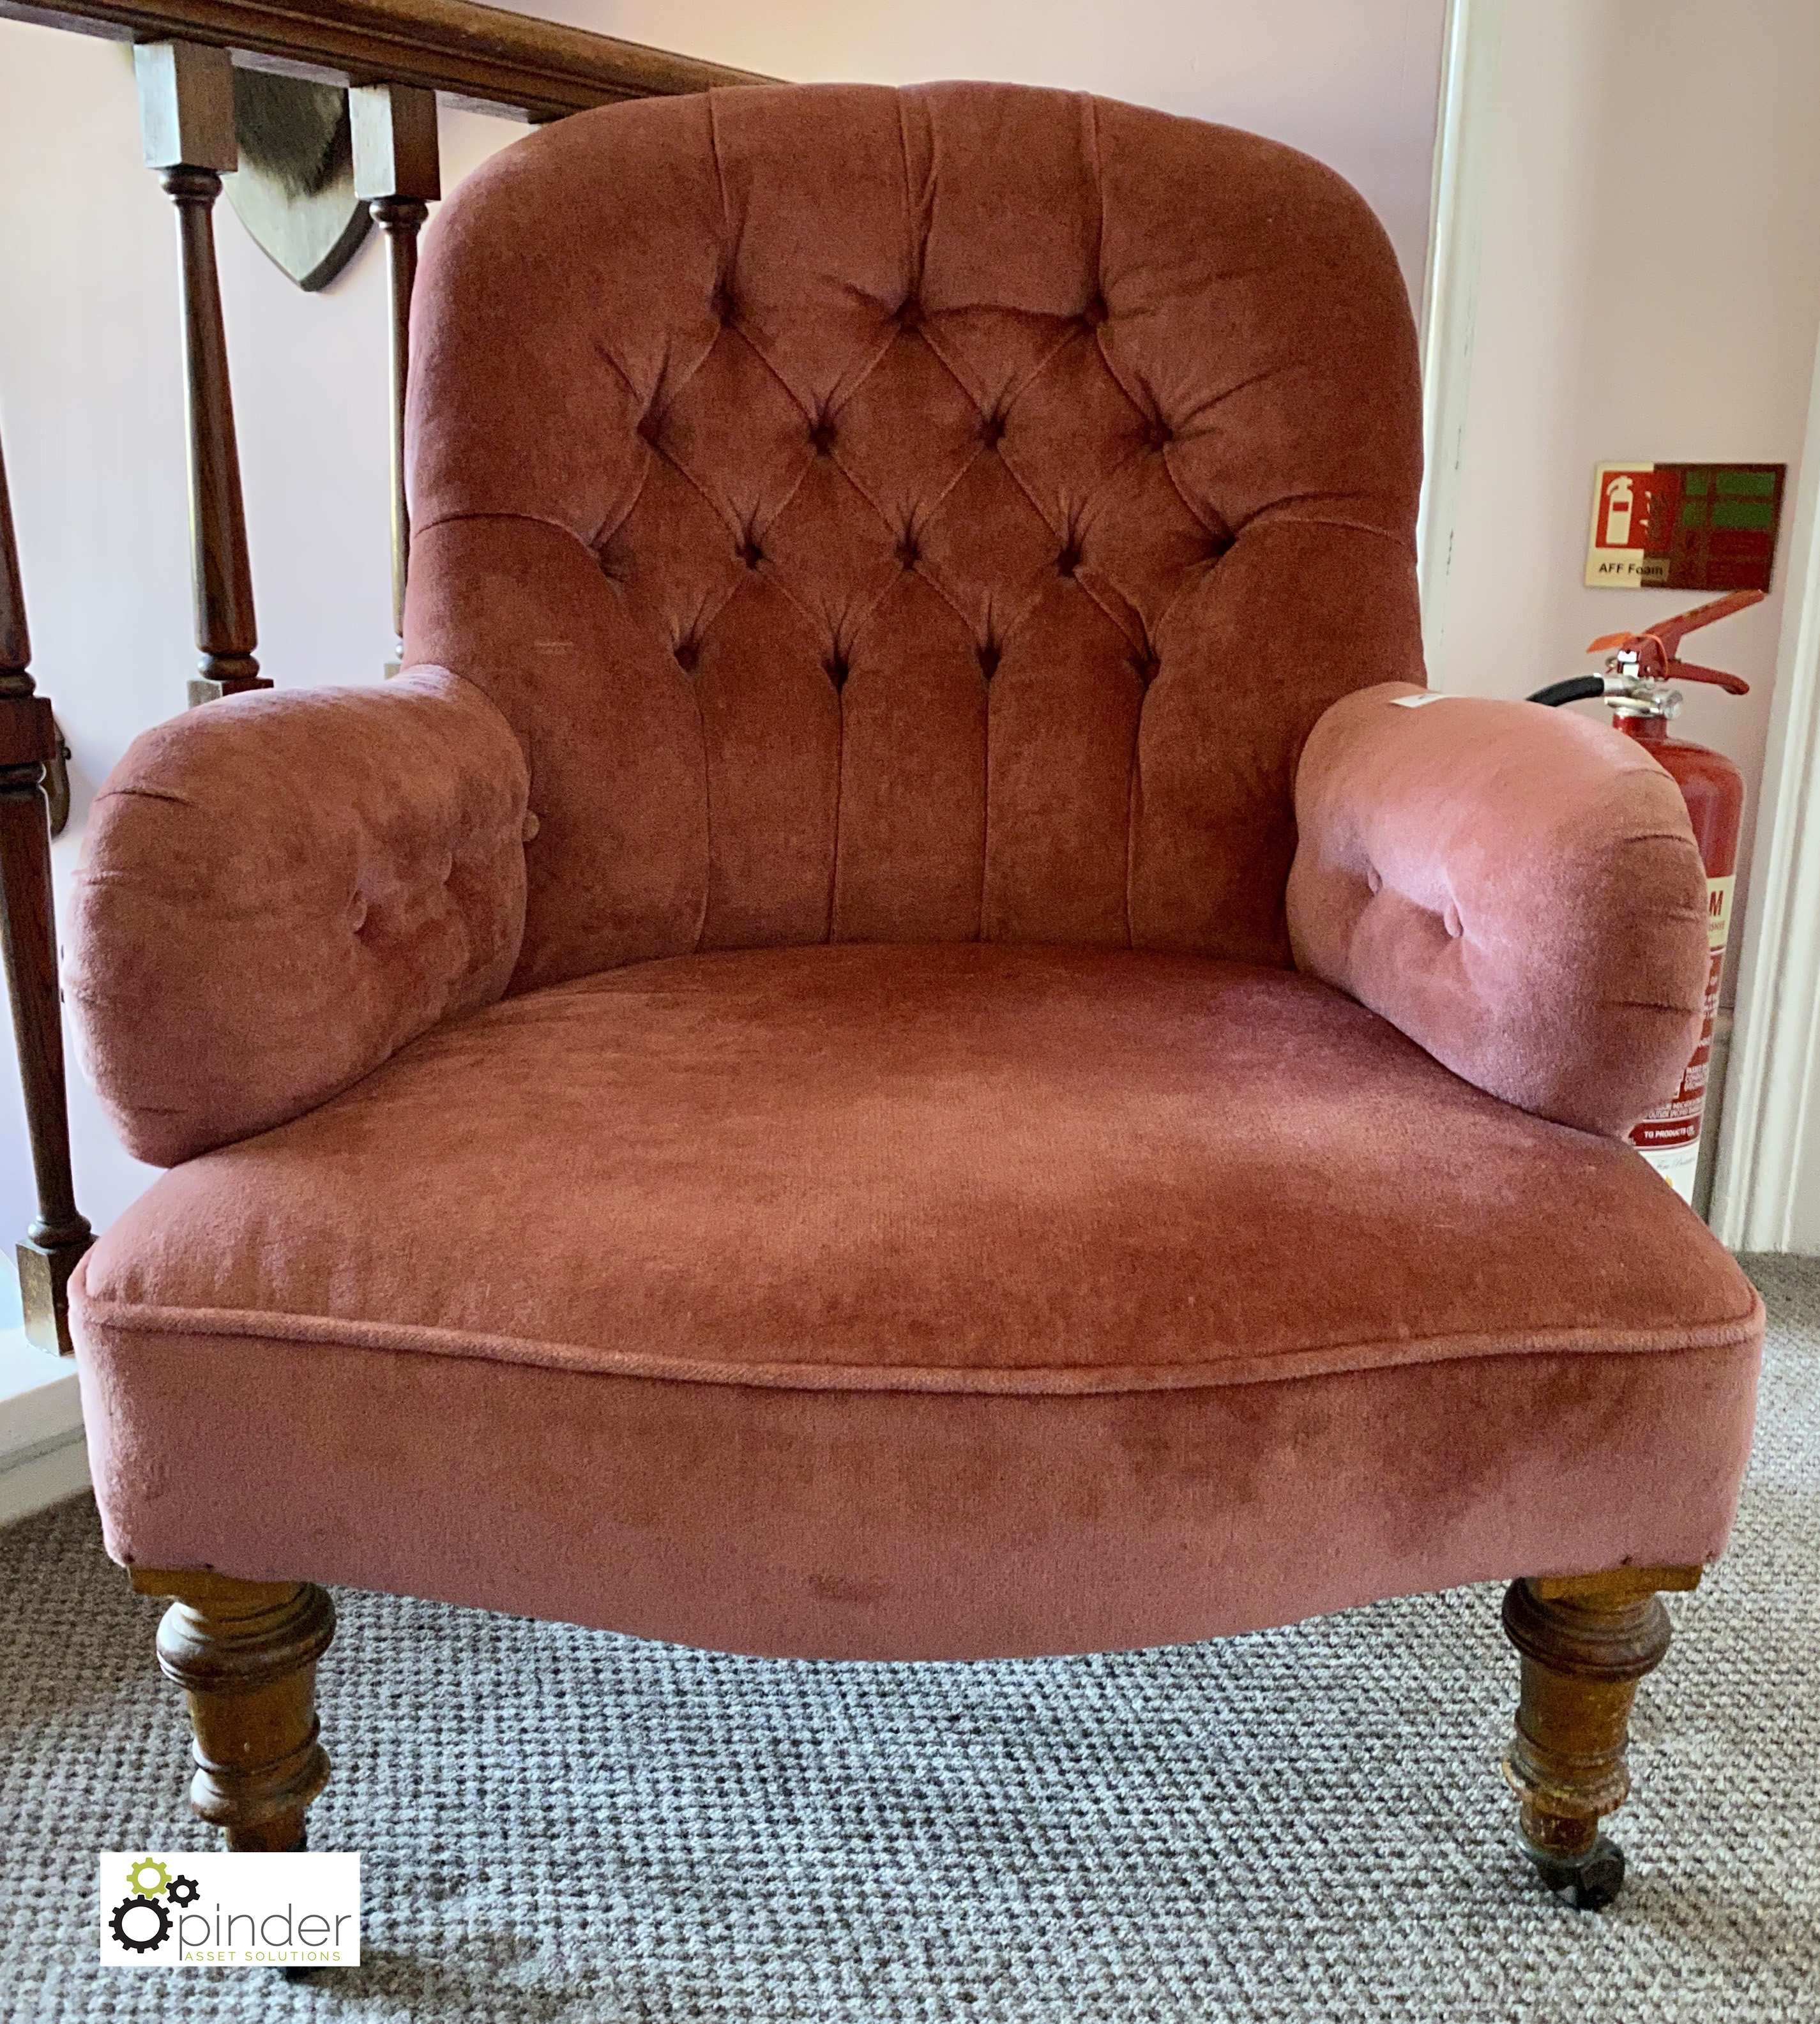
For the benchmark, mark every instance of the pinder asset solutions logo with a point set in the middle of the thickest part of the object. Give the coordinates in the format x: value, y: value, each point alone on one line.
x: 186, y: 1908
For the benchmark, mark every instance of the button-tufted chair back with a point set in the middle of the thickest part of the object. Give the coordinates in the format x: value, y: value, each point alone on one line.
x: 896, y: 515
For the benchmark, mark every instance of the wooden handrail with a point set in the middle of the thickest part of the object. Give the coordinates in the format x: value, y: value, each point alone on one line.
x: 476, y: 56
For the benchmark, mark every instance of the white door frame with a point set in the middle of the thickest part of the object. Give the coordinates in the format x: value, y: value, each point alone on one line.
x: 1465, y: 120
x: 1770, y: 1122
x: 1770, y: 1126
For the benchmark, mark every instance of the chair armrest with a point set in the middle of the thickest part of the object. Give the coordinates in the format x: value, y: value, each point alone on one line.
x: 1516, y: 889
x: 279, y: 890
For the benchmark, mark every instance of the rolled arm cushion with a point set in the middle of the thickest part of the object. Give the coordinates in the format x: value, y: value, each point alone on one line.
x: 278, y: 890
x: 1516, y: 889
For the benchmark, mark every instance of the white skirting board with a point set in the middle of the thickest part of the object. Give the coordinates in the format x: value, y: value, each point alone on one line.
x: 43, y: 1456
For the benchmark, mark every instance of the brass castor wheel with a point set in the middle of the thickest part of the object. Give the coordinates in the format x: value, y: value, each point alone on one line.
x: 1589, y: 1882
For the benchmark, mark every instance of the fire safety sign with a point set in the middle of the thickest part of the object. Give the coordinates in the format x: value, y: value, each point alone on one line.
x: 1684, y: 526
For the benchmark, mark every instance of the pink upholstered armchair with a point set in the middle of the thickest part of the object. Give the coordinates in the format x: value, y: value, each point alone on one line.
x: 909, y: 1037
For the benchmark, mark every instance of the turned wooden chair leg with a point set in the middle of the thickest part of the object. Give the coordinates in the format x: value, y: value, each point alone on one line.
x: 1586, y: 1640
x: 245, y: 1653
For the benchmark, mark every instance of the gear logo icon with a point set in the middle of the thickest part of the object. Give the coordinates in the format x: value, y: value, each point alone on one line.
x: 142, y: 1943
x: 136, y: 1878
x: 140, y: 1922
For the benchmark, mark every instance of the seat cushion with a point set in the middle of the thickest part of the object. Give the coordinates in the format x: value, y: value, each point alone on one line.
x: 868, y: 1300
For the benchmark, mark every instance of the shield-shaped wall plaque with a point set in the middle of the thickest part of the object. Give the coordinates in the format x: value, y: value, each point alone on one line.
x: 294, y: 189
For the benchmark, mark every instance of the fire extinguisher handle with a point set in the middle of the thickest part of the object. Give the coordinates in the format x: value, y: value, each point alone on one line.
x: 1686, y: 671
x: 1576, y: 688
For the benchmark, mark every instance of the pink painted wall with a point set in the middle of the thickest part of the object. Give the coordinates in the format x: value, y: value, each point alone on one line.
x: 1650, y: 288
x: 1352, y: 82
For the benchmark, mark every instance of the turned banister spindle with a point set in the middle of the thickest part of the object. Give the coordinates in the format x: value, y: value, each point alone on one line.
x: 59, y: 1235
x: 186, y: 119
x: 398, y: 174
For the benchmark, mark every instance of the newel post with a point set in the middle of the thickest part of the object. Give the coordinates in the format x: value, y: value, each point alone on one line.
x: 186, y: 120
x: 59, y: 1235
x: 398, y: 174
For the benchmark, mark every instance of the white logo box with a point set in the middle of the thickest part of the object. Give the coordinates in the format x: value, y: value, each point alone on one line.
x: 180, y: 1908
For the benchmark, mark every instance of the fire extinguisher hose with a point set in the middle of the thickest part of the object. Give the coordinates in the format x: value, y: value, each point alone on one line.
x: 1576, y: 688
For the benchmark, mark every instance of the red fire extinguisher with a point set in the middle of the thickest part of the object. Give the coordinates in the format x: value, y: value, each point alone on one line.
x: 1638, y: 668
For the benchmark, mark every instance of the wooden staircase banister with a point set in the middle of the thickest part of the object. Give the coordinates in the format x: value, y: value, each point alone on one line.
x: 396, y: 57
x: 481, y: 56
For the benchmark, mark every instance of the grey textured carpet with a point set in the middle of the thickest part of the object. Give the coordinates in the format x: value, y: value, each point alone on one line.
x: 558, y: 1824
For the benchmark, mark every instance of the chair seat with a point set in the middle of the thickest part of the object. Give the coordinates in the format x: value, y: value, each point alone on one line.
x: 915, y: 1301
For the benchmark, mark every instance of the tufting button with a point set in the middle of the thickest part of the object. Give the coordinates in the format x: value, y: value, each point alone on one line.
x: 1451, y: 920
x: 529, y: 833
x: 357, y: 913
x: 838, y: 669
x: 1373, y: 879
x: 822, y: 437
x: 1159, y: 435
x: 687, y: 652
x: 1096, y: 313
x: 1146, y: 664
x: 989, y: 657
x: 650, y: 426
x: 910, y: 314
x: 445, y: 867
x: 750, y: 552
x: 1068, y: 561
x: 993, y: 430
x: 909, y: 551
x: 721, y: 302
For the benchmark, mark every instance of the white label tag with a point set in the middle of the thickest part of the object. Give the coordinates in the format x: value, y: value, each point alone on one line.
x: 1719, y: 898
x: 1677, y: 1165
x: 182, y: 1908
x: 1417, y: 701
